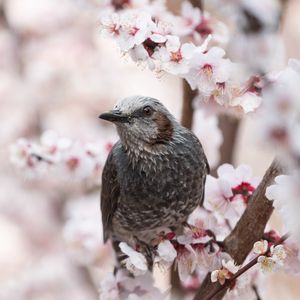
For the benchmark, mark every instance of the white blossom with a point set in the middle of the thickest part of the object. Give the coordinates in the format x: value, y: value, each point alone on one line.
x: 280, y: 114
x: 208, y: 69
x: 166, y: 253
x: 186, y: 261
x: 174, y: 57
x: 229, y: 193
x: 278, y: 254
x: 260, y: 247
x: 266, y: 264
x: 226, y: 272
x: 136, y: 262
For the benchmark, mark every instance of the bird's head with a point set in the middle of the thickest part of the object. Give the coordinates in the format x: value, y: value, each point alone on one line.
x: 141, y: 121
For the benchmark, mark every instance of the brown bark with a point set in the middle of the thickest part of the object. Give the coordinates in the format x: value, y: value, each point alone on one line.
x: 248, y: 230
x: 187, y: 105
x: 229, y: 126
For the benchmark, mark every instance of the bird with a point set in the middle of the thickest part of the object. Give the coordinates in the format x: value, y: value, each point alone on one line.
x: 153, y: 178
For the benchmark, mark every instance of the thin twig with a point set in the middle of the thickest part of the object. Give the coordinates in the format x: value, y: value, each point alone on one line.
x: 241, y: 271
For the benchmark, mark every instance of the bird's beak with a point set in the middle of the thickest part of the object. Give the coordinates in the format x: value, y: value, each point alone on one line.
x: 114, y: 116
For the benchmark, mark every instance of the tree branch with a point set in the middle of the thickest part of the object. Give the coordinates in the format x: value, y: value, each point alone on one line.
x: 241, y: 271
x: 248, y: 230
x: 229, y: 126
x: 187, y: 105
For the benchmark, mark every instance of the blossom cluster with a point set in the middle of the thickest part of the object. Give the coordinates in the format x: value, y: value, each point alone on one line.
x: 270, y: 256
x: 279, y: 123
x: 254, y: 29
x: 228, y: 194
x: 197, y: 248
x: 149, y: 34
x: 65, y: 158
x: 226, y: 272
x: 277, y: 253
x: 194, y: 253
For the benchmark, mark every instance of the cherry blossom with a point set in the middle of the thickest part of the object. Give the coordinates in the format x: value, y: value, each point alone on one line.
x: 166, y: 254
x: 262, y: 39
x: 249, y: 102
x: 186, y: 261
x: 135, y: 29
x: 229, y: 193
x: 278, y: 254
x: 43, y: 71
x: 208, y: 69
x: 136, y: 262
x: 110, y: 25
x: 266, y: 264
x: 260, y: 247
x: 274, y: 257
x: 226, y: 272
x: 175, y: 57
x: 63, y: 157
x: 157, y: 38
x: 281, y: 110
x: 198, y: 24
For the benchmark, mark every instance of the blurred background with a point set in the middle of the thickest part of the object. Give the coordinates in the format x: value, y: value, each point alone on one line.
x: 58, y: 74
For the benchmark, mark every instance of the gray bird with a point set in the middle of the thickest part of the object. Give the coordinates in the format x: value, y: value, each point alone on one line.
x: 153, y: 178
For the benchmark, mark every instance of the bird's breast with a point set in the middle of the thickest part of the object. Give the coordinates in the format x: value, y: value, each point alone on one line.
x: 161, y: 195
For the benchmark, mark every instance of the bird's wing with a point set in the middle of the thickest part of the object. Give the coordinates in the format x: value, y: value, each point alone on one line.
x: 110, y: 193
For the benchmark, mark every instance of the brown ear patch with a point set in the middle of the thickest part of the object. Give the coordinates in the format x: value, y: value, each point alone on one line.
x: 164, y: 125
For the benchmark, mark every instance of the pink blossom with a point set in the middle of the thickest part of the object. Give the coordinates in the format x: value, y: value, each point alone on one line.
x: 199, y: 24
x: 63, y: 157
x: 229, y: 193
x: 110, y: 25
x: 208, y: 69
x: 136, y: 262
x: 166, y: 253
x: 226, y: 272
x: 280, y: 117
x: 186, y: 261
x: 249, y: 102
x: 260, y: 247
x: 175, y: 57
x: 135, y: 29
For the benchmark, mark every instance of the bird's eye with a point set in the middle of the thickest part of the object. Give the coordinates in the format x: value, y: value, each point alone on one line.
x: 147, y: 110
